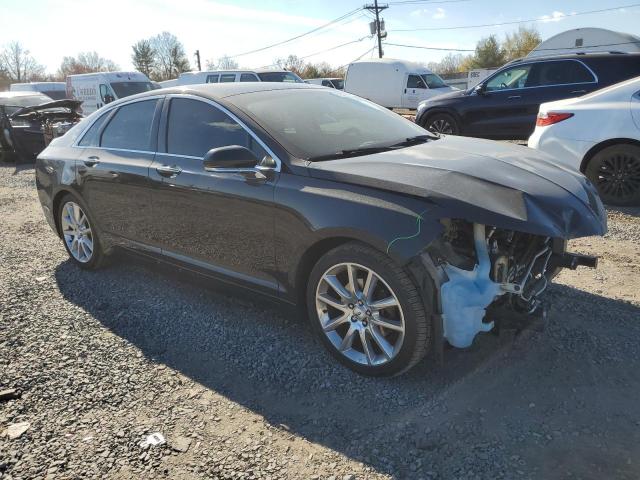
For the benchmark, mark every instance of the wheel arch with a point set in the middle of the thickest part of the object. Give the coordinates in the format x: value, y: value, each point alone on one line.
x: 593, y: 151
x: 55, y: 205
x: 435, y: 110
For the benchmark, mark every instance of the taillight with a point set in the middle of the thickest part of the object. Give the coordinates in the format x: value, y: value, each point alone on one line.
x: 549, y: 118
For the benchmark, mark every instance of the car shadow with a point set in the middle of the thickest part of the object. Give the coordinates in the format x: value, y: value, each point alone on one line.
x: 263, y: 357
x: 17, y: 167
x: 632, y: 211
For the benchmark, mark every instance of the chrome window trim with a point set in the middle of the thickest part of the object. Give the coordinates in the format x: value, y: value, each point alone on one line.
x: 107, y: 110
x: 215, y: 104
x: 595, y: 77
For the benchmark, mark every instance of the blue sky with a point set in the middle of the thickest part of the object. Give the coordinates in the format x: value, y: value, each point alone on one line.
x: 52, y: 29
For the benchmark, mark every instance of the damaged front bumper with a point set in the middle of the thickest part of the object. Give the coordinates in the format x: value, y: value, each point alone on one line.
x: 500, y: 278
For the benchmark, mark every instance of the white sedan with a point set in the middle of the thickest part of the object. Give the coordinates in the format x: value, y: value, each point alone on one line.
x: 598, y: 134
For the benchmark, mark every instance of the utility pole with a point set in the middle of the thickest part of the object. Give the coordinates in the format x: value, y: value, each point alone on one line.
x: 377, y: 9
x: 198, y: 59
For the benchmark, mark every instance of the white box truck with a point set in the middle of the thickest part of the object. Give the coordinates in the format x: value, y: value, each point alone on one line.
x: 97, y: 89
x: 54, y: 90
x: 393, y: 83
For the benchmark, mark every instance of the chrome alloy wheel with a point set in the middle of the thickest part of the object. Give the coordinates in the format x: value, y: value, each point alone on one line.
x: 360, y: 314
x: 76, y: 232
x: 441, y: 126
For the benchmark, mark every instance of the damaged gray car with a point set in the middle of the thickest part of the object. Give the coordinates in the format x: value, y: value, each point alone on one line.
x: 30, y: 120
x: 394, y: 241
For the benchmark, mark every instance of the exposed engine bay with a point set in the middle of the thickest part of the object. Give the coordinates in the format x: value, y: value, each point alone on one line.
x: 26, y: 131
x: 485, y: 270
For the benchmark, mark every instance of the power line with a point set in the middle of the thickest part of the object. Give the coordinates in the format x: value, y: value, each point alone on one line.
x: 574, y: 14
x: 342, y: 17
x: 637, y: 42
x: 428, y: 2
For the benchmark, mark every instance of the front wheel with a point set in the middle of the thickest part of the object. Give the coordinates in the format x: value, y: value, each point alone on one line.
x: 367, y: 312
x: 442, y: 123
x: 615, y: 171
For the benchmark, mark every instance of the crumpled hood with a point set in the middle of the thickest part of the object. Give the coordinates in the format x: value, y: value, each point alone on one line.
x: 481, y: 181
x: 72, y: 105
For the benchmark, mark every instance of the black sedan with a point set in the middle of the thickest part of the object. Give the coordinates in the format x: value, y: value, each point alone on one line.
x: 393, y: 240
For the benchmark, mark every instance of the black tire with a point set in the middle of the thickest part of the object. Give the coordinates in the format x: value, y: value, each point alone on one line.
x: 98, y: 257
x: 615, y: 171
x: 441, y: 123
x: 417, y: 322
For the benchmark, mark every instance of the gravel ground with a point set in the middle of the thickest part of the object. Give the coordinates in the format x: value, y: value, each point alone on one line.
x: 93, y: 362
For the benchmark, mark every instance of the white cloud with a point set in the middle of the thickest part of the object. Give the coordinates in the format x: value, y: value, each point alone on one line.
x: 555, y: 16
x: 421, y: 12
x: 440, y: 14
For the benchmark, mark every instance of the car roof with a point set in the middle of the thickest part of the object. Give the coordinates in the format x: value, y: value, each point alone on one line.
x: 575, y: 56
x: 23, y: 93
x: 219, y: 91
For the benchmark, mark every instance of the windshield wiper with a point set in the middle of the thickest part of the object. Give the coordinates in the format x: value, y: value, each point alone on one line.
x: 414, y: 140
x: 353, y: 152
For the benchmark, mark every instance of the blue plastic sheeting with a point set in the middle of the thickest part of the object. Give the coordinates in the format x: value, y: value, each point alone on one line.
x: 466, y: 296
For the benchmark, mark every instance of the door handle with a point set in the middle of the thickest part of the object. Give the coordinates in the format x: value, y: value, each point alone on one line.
x: 514, y: 97
x: 92, y: 161
x: 579, y: 91
x: 167, y: 171
x: 405, y: 90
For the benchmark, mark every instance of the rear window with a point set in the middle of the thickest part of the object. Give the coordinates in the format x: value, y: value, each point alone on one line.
x: 124, y: 89
x: 130, y: 127
x: 287, y: 77
x: 558, y: 73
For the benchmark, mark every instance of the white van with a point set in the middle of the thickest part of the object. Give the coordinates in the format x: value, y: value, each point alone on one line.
x: 54, y: 90
x: 393, y: 83
x: 97, y: 89
x: 223, y: 76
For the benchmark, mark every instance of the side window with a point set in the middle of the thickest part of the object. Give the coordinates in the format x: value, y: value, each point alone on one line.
x: 415, y: 81
x: 90, y: 138
x: 248, y: 77
x: 130, y: 127
x: 509, y: 78
x: 212, y: 79
x: 559, y: 73
x: 326, y: 83
x: 227, y: 77
x: 196, y: 127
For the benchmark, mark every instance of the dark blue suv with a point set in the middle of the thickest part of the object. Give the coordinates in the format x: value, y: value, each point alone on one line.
x: 505, y: 105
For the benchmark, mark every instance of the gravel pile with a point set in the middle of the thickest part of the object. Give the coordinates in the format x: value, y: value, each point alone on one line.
x: 93, y: 363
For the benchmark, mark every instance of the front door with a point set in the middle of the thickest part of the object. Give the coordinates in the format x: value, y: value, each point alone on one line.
x: 414, y: 92
x: 113, y: 170
x: 219, y: 221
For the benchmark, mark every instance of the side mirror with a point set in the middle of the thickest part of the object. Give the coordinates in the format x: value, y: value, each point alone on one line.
x: 480, y: 89
x: 233, y: 156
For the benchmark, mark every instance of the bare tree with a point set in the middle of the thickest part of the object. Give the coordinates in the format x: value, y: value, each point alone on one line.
x: 85, y: 62
x: 223, y: 63
x: 18, y: 65
x: 143, y: 57
x: 170, y: 57
x: 293, y: 63
x: 451, y: 63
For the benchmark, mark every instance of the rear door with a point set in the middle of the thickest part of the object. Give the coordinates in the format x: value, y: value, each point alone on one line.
x: 219, y: 221
x: 113, y: 170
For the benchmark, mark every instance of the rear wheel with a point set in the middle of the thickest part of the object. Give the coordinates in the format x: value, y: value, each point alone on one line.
x: 366, y: 311
x: 615, y: 171
x: 442, y: 123
x: 78, y: 234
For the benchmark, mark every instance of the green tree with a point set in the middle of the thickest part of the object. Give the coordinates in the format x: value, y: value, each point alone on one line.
x: 489, y: 54
x: 143, y: 57
x: 521, y: 42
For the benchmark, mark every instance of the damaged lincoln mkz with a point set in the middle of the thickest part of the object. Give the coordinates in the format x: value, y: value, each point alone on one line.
x: 393, y: 239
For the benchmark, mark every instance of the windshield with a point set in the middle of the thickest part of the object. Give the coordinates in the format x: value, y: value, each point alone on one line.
x: 124, y: 89
x: 15, y: 103
x: 338, y: 83
x: 433, y: 81
x: 280, y: 77
x: 312, y: 123
x: 56, y: 94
